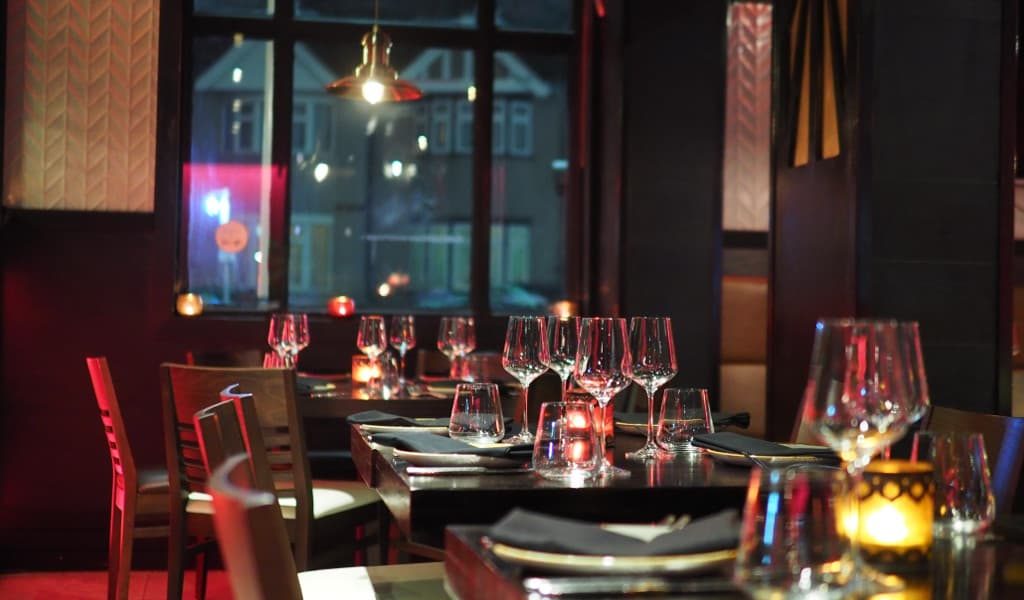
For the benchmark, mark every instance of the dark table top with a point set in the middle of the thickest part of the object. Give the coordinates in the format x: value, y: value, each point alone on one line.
x: 423, y: 505
x: 975, y: 570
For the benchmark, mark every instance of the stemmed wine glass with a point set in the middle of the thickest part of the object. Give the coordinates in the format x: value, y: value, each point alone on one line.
x: 654, y: 362
x: 288, y: 334
x: 525, y: 356
x: 866, y: 387
x: 602, y: 368
x: 403, y: 339
x: 372, y: 339
x: 563, y: 335
x: 456, y: 338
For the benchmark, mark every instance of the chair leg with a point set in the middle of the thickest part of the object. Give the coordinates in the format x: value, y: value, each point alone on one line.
x: 114, y: 556
x: 201, y: 569
x: 176, y: 556
x: 124, y: 571
x: 359, y: 551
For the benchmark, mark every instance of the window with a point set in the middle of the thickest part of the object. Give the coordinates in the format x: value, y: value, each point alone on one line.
x: 377, y: 201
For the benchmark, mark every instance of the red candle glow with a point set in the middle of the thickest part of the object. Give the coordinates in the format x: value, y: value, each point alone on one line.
x: 363, y: 369
x: 341, y: 306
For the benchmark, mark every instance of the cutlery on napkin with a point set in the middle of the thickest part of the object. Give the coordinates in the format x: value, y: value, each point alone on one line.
x: 422, y: 441
x: 727, y: 441
x: 377, y: 417
x: 721, y: 420
x: 535, y: 531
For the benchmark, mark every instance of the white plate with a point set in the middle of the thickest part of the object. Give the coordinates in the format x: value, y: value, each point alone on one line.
x: 632, y: 428
x: 734, y: 458
x: 428, y: 459
x: 606, y: 565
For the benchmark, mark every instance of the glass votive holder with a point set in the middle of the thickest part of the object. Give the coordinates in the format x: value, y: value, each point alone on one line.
x: 364, y: 370
x: 565, y: 447
x: 684, y: 414
x: 603, y: 418
x: 964, y: 502
x: 893, y: 523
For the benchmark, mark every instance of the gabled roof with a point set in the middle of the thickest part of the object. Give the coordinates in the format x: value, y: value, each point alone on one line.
x: 438, y: 71
x: 311, y: 75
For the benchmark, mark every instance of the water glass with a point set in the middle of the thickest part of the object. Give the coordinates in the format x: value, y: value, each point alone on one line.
x: 476, y: 413
x: 566, y: 447
x: 273, y: 360
x: 684, y: 414
x: 964, y: 503
x: 792, y: 543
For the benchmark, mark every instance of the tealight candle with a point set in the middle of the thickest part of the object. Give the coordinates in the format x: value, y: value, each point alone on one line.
x: 341, y: 306
x: 363, y: 369
x: 895, y: 515
x: 190, y: 305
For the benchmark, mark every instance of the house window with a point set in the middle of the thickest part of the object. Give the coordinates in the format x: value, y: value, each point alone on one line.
x: 375, y: 202
x: 520, y: 128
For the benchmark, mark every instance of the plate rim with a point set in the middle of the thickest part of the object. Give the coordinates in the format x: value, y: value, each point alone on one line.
x: 675, y: 563
x: 497, y: 461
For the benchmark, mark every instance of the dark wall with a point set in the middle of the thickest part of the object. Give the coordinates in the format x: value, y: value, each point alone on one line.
x: 911, y: 221
x: 674, y: 93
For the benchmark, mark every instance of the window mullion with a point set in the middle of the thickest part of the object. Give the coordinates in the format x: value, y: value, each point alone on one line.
x: 483, y: 76
x: 281, y: 153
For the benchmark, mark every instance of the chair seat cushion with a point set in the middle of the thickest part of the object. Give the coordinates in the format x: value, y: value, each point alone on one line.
x: 329, y: 498
x: 153, y: 481
x: 415, y: 581
x: 353, y: 582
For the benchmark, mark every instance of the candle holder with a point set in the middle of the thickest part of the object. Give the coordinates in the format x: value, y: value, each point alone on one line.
x: 189, y: 304
x: 364, y: 370
x: 607, y: 423
x: 894, y: 527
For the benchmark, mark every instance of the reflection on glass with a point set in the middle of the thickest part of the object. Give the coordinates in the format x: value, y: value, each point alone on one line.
x: 421, y: 13
x: 536, y: 15
x: 229, y: 182
x: 235, y: 8
x: 381, y: 194
x: 529, y: 179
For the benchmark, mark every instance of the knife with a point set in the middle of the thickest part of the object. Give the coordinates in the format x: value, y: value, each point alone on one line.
x: 411, y: 470
x: 580, y: 586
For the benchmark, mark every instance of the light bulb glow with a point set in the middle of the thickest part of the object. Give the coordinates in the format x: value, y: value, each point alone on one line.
x: 320, y: 172
x: 373, y: 91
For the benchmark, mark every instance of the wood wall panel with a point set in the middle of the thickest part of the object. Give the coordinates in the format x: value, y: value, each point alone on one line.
x: 81, y: 105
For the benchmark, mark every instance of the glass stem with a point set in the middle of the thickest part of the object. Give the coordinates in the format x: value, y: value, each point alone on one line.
x: 595, y: 418
x: 565, y: 387
x: 856, y: 475
x: 401, y: 366
x: 650, y: 417
x: 526, y: 396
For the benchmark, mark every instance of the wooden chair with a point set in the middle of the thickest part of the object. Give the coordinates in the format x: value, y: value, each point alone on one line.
x: 330, y: 504
x: 1004, y: 445
x: 138, y: 498
x: 255, y: 548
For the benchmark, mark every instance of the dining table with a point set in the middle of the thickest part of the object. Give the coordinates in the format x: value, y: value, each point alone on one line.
x: 423, y: 505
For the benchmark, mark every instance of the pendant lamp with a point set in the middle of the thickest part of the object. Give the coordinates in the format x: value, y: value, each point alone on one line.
x: 375, y: 80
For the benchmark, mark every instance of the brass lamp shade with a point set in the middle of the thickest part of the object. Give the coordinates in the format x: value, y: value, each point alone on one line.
x: 375, y: 80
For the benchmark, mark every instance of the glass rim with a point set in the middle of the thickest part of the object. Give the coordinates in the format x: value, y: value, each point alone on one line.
x: 476, y: 385
x: 566, y: 403
x: 604, y: 319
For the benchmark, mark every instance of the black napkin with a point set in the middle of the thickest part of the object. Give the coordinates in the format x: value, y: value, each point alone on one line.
x: 377, y: 417
x: 422, y: 441
x: 307, y: 385
x: 534, y: 531
x: 733, y: 442
x: 740, y: 419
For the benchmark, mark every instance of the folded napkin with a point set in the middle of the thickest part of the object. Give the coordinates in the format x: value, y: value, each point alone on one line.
x: 728, y: 441
x: 306, y: 385
x: 740, y: 419
x: 422, y: 441
x: 534, y: 531
x: 377, y: 417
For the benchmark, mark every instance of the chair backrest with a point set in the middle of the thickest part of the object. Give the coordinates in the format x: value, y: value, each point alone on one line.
x: 220, y: 434
x: 252, y: 535
x: 189, y: 389
x: 251, y: 432
x: 121, y: 458
x: 1004, y: 445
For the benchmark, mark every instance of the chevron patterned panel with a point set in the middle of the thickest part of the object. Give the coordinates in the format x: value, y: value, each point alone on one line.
x: 81, y: 105
x: 747, y: 164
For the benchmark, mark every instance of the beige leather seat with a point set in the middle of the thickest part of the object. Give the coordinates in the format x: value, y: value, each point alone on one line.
x: 744, y: 348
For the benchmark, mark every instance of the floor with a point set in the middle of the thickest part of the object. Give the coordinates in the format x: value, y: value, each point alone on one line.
x: 92, y: 585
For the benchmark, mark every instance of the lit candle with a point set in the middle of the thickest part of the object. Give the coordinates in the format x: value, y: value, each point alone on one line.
x: 564, y: 308
x: 363, y: 369
x: 190, y: 305
x: 896, y: 503
x: 341, y: 306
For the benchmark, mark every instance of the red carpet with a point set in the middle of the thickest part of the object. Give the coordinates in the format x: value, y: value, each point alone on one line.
x: 92, y: 585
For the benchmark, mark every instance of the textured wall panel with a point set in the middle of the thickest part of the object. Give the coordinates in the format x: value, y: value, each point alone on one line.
x: 81, y: 104
x: 746, y: 170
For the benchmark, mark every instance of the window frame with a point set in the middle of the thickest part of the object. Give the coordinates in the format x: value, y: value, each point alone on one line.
x: 483, y: 42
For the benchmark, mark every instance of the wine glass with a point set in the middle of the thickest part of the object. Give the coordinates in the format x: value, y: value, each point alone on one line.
x: 525, y: 356
x: 403, y: 339
x: 456, y: 338
x: 563, y: 339
x: 299, y: 338
x: 288, y: 334
x: 866, y: 387
x: 277, y: 334
x: 654, y: 362
x: 372, y: 339
x: 602, y: 368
